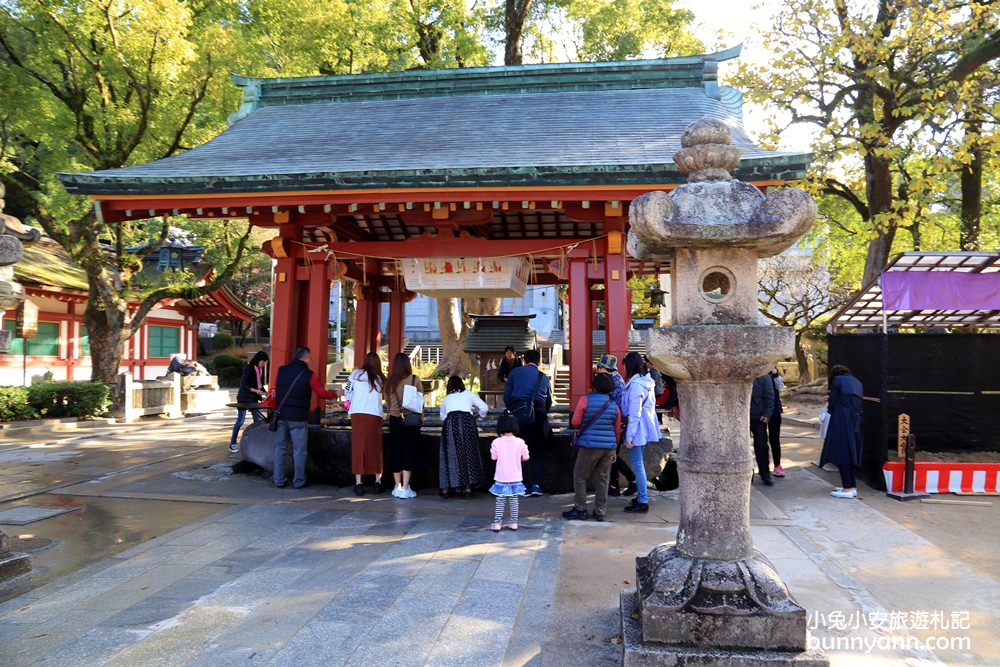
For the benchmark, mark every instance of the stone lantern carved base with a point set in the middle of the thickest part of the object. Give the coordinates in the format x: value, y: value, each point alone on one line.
x: 639, y: 653
x: 12, y: 563
x: 729, y: 603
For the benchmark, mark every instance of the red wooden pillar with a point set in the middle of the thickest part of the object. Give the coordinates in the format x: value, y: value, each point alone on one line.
x: 317, y: 333
x: 580, y: 330
x: 616, y: 303
x: 285, y: 307
x: 362, y: 322
x: 375, y: 326
x: 397, y: 322
x: 71, y: 339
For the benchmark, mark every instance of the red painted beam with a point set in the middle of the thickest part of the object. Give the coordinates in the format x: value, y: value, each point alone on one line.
x: 461, y: 218
x: 542, y: 196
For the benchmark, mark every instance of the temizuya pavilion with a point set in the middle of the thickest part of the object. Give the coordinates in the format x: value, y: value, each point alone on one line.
x: 358, y: 175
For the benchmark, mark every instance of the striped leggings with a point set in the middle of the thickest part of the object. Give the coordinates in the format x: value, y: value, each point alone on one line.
x: 512, y: 502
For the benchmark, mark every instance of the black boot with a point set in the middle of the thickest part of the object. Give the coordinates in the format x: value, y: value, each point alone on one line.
x: 637, y: 507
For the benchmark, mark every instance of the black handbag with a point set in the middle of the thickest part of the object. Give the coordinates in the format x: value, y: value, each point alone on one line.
x: 272, y: 419
x: 574, y: 436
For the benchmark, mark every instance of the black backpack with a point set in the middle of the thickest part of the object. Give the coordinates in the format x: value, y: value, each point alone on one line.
x: 524, y: 411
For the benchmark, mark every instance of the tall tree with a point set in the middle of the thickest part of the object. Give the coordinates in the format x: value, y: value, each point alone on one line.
x: 515, y: 18
x: 97, y: 85
x: 795, y: 291
x: 864, y: 73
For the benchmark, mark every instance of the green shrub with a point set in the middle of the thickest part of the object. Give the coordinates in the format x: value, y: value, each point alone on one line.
x: 70, y: 399
x: 14, y: 404
x: 222, y: 341
x: 229, y: 376
x: 221, y: 361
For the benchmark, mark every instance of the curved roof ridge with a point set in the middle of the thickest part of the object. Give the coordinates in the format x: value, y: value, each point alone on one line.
x: 697, y: 71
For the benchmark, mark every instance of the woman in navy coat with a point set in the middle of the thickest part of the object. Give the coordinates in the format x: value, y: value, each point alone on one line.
x: 842, y: 445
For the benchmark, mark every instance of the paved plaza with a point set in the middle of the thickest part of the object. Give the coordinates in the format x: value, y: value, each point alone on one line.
x: 169, y: 560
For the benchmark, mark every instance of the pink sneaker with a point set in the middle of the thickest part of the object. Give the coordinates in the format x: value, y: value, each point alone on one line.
x: 778, y: 472
x: 512, y: 526
x: 495, y: 528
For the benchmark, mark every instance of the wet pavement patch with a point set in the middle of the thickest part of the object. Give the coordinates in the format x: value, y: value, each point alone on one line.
x: 25, y: 514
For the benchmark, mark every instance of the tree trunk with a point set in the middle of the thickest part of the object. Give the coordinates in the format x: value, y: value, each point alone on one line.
x: 878, y: 188
x: 972, y: 189
x: 240, y: 330
x: 800, y: 358
x: 481, y: 306
x: 104, y: 330
x: 454, y: 360
x: 515, y: 15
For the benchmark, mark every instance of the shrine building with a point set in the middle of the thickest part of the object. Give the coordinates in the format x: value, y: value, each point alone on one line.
x: 464, y: 181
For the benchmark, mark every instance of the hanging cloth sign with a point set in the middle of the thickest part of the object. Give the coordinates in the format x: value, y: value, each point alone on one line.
x: 940, y: 290
x: 446, y: 277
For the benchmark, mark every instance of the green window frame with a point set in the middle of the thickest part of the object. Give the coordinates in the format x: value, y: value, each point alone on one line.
x: 16, y: 344
x: 84, y: 342
x: 164, y: 341
x: 46, y: 344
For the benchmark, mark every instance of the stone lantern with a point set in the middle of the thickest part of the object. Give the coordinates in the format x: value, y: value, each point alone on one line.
x: 11, y: 296
x: 711, y: 598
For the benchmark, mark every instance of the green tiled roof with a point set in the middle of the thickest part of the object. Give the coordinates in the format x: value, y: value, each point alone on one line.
x: 555, y: 125
x: 45, y: 262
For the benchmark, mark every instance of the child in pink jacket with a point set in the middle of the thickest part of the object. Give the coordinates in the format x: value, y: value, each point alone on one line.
x: 508, y: 451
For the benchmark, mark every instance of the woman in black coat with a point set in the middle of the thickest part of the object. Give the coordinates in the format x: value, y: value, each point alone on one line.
x: 842, y: 445
x: 251, y: 391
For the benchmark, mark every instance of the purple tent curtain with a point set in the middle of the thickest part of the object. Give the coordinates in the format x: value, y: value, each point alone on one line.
x: 940, y: 290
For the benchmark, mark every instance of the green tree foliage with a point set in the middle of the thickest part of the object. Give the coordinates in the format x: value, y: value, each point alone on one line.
x: 622, y: 29
x: 102, y: 84
x: 642, y: 289
x: 876, y: 78
x: 99, y: 85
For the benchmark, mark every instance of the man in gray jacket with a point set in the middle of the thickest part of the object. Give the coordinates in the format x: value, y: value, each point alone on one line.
x: 761, y: 408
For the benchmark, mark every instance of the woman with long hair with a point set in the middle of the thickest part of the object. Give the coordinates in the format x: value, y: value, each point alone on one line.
x: 643, y: 427
x: 363, y: 394
x: 461, y: 466
x: 404, y: 425
x: 251, y: 390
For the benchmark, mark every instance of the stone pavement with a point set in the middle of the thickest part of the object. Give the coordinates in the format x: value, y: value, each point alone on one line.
x: 285, y: 585
x: 172, y: 561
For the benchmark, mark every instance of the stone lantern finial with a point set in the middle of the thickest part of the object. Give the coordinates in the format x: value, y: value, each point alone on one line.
x: 708, y: 153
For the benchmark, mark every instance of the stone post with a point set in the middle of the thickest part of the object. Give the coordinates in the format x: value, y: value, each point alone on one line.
x: 711, y: 598
x: 12, y: 232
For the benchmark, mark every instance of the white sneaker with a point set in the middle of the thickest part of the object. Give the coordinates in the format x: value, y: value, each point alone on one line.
x: 840, y: 493
x: 410, y: 493
x: 397, y: 492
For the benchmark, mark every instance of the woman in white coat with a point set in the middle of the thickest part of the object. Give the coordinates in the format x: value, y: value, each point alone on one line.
x: 364, y: 396
x: 461, y: 466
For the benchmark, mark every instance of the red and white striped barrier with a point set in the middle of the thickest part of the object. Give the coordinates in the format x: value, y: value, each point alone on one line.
x: 938, y: 477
